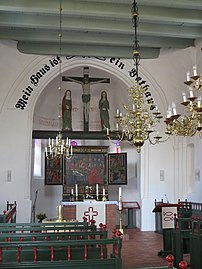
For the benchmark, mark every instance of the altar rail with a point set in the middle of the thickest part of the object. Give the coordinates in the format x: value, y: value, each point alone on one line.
x: 9, y: 215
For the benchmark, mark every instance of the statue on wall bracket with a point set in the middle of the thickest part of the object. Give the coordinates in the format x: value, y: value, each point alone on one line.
x: 67, y: 111
x: 104, y: 111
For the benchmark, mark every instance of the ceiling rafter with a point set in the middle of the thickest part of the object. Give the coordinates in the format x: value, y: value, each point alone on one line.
x: 102, y: 27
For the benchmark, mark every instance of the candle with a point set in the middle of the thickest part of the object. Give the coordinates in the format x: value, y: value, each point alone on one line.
x: 188, y: 76
x: 97, y: 192
x: 107, y: 131
x: 76, y: 189
x: 184, y: 98
x: 174, y: 108
x: 49, y: 141
x: 72, y: 191
x: 199, y: 101
x: 191, y: 94
x: 103, y: 191
x: 67, y: 152
x: 194, y: 70
x: 46, y: 150
x: 120, y: 198
x: 117, y: 112
x: 117, y: 126
x: 71, y: 150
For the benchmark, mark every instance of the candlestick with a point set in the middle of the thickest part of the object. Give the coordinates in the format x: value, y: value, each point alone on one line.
x: 60, y: 213
x: 120, y: 221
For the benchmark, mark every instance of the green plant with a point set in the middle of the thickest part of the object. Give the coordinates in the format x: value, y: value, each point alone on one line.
x: 41, y: 216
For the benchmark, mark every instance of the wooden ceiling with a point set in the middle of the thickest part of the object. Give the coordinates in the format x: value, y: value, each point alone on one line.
x: 100, y: 28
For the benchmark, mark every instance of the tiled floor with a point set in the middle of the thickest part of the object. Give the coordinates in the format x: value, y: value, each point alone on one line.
x: 141, y: 250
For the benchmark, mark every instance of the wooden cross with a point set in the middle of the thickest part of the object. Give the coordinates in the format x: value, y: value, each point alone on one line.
x: 85, y: 82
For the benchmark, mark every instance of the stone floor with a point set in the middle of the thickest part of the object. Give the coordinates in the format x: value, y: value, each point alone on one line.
x: 141, y: 250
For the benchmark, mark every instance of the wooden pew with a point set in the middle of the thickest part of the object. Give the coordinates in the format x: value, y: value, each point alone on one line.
x: 181, y: 238
x: 9, y: 215
x: 23, y: 232
x: 196, y: 244
x: 77, y: 254
x: 187, y: 212
x: 45, y: 227
x: 76, y: 235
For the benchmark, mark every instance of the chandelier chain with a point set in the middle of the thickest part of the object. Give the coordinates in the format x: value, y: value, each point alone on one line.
x: 140, y: 118
x: 58, y: 147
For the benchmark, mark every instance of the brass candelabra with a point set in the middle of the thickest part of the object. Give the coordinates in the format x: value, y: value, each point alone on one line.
x: 191, y: 123
x: 138, y: 123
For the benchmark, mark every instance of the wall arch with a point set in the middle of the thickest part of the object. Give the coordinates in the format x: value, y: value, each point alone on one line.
x: 121, y: 74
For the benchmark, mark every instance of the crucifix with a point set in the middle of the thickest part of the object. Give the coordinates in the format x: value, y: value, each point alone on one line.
x: 85, y: 82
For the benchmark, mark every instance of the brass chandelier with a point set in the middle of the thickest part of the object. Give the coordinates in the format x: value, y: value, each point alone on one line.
x: 59, y: 147
x: 191, y: 123
x: 137, y: 125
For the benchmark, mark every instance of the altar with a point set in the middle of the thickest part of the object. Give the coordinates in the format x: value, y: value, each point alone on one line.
x: 102, y: 212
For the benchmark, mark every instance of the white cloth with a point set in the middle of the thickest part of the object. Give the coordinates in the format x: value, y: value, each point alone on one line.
x: 95, y: 211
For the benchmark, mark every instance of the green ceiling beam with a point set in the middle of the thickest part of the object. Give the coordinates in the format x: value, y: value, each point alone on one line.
x: 94, y: 38
x: 85, y: 50
x: 100, y: 27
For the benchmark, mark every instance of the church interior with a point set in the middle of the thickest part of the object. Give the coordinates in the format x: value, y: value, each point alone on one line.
x: 107, y: 99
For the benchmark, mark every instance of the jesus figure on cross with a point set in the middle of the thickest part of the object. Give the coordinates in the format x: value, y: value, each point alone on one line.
x: 86, y: 82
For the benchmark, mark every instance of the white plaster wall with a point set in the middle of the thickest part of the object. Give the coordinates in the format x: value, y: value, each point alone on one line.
x: 165, y: 76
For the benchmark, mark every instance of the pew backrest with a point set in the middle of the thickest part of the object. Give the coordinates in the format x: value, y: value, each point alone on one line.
x: 31, y: 251
x: 45, y: 227
x: 76, y: 235
x: 9, y: 215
